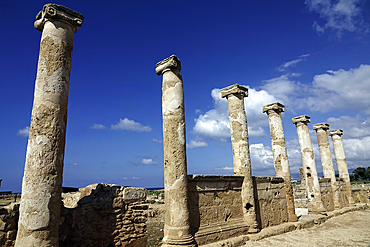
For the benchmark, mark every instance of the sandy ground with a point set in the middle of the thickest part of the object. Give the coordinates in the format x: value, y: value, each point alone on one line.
x: 350, y: 229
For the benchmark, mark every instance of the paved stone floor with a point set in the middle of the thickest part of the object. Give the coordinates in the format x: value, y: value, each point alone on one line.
x: 350, y: 229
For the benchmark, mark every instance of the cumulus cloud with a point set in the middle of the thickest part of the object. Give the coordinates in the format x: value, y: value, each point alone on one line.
x: 98, y: 126
x: 352, y: 127
x: 196, y: 143
x: 73, y: 164
x: 148, y: 161
x: 215, y: 122
x: 292, y: 63
x: 341, y: 89
x: 357, y: 151
x: 24, y: 132
x: 130, y: 125
x: 339, y: 15
x: 262, y: 159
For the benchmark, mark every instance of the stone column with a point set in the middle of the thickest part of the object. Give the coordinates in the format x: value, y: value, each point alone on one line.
x: 279, y: 153
x: 241, y: 158
x: 42, y: 182
x: 340, y: 157
x: 302, y: 175
x: 308, y: 161
x: 326, y: 160
x: 177, y: 226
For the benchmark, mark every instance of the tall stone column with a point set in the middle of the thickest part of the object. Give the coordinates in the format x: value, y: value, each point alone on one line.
x: 177, y: 226
x: 308, y: 161
x: 340, y: 158
x: 42, y: 181
x: 239, y: 140
x: 326, y: 160
x: 279, y: 153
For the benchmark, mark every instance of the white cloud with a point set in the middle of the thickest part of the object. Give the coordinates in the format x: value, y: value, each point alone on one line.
x: 148, y: 161
x: 135, y: 178
x: 98, y: 126
x: 352, y: 127
x: 215, y: 122
x: 24, y: 132
x: 130, y: 125
x: 339, y: 15
x: 157, y: 141
x: 261, y: 158
x: 196, y: 143
x: 342, y: 89
x: 73, y: 164
x: 292, y: 63
x: 357, y: 151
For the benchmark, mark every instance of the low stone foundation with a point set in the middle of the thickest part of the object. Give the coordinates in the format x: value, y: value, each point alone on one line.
x: 9, y: 224
x: 216, y: 206
x: 361, y: 193
x: 326, y: 194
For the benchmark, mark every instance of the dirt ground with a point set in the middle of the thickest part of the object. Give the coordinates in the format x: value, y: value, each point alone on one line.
x: 350, y: 229
x: 155, y: 225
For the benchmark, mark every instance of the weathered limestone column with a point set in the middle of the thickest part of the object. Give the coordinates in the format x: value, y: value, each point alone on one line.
x: 279, y: 153
x: 302, y: 175
x: 239, y: 139
x: 326, y: 160
x: 308, y: 161
x: 340, y: 157
x: 177, y: 226
x: 42, y: 182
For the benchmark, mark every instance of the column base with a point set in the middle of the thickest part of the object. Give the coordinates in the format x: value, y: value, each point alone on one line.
x: 178, y: 236
x: 292, y: 218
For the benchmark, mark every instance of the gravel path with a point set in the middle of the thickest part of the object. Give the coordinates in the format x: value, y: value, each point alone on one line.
x: 350, y: 229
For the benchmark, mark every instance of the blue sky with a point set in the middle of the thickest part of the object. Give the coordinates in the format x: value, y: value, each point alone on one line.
x: 311, y: 55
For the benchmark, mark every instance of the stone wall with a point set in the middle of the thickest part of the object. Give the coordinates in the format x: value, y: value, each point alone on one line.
x: 98, y: 215
x: 216, y: 206
x: 271, y: 204
x: 104, y: 215
x: 8, y: 224
x: 361, y: 193
x: 326, y: 194
x: 343, y: 199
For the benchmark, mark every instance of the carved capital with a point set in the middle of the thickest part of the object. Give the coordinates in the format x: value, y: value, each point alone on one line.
x: 277, y: 107
x: 336, y: 132
x: 170, y: 63
x: 301, y: 119
x: 234, y: 89
x: 324, y: 126
x: 53, y: 11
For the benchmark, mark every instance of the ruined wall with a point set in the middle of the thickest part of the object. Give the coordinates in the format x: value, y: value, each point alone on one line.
x: 98, y: 215
x: 343, y: 198
x: 271, y: 204
x: 9, y: 224
x: 104, y: 215
x: 326, y: 194
x: 216, y: 206
x: 300, y: 195
x: 361, y: 193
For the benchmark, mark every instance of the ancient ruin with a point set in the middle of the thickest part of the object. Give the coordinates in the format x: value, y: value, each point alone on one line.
x: 308, y: 160
x: 240, y: 144
x: 340, y: 158
x: 177, y: 227
x: 279, y: 152
x: 199, y: 209
x: 326, y: 160
x: 42, y: 182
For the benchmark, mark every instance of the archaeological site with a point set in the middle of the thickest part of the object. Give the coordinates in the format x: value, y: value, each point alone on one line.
x: 209, y: 210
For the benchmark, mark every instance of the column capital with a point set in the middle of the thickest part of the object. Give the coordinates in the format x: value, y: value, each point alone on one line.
x: 170, y: 63
x: 277, y: 107
x: 324, y: 126
x: 336, y: 132
x: 234, y: 89
x: 53, y: 11
x: 304, y: 119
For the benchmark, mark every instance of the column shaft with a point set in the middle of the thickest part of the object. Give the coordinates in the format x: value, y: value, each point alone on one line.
x: 340, y: 158
x: 241, y: 157
x: 42, y: 182
x: 326, y: 160
x: 177, y: 228
x: 308, y: 161
x: 279, y: 153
